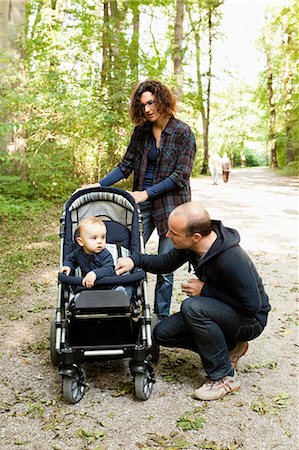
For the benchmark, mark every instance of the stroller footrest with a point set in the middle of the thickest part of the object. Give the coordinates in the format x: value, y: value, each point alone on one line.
x: 110, y: 352
x: 101, y: 300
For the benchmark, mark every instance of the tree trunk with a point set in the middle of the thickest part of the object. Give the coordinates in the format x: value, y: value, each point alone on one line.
x: 12, y: 26
x: 208, y: 103
x: 178, y: 50
x: 134, y: 46
x: 288, y: 92
x: 201, y: 105
x: 272, y: 113
x: 105, y: 45
x: 271, y: 101
x: 12, y: 22
x: 117, y: 41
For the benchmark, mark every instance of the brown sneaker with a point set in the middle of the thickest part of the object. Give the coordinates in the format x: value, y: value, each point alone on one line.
x: 213, y: 390
x: 235, y: 354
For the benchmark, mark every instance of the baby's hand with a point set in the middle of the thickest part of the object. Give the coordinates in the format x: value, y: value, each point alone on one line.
x: 89, y: 279
x: 66, y: 270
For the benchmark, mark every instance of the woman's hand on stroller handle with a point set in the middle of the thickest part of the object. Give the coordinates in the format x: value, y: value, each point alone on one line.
x: 90, y: 185
x: 87, y: 186
x: 139, y: 196
x: 123, y: 265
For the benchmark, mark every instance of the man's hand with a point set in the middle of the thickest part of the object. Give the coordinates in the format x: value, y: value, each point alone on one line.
x: 139, y: 196
x: 89, y: 279
x: 123, y: 265
x: 66, y: 270
x: 193, y: 287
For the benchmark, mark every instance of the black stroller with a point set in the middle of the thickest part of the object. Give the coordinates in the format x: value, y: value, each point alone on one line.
x: 102, y: 323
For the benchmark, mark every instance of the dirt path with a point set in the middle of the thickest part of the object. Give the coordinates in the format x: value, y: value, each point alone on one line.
x: 263, y: 415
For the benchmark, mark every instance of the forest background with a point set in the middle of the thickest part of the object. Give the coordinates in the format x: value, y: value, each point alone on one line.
x: 68, y: 68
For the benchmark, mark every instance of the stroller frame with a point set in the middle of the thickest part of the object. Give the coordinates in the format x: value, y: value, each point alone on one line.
x: 80, y: 330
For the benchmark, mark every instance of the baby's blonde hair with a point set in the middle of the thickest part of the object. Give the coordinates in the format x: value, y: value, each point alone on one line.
x: 88, y: 221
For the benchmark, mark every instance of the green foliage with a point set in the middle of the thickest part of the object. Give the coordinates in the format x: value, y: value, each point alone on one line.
x: 173, y: 440
x: 25, y: 240
x: 252, y: 158
x: 75, y: 122
x: 290, y: 170
x: 189, y: 422
x: 12, y: 186
x: 64, y: 113
x: 52, y: 173
x: 36, y: 409
x: 73, y: 129
x: 90, y: 436
x: 123, y: 389
x: 280, y: 43
x: 280, y: 401
x: 240, y: 134
x: 268, y: 365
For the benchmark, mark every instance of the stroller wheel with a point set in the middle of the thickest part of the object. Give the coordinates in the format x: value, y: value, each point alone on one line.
x: 73, y: 389
x: 55, y: 357
x: 143, y: 385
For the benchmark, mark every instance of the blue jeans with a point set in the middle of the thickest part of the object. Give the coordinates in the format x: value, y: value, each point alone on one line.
x: 209, y: 327
x: 126, y: 289
x: 164, y: 284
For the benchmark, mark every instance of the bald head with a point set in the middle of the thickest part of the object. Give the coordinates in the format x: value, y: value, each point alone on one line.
x: 196, y: 218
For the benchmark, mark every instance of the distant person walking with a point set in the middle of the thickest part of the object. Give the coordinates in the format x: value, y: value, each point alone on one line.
x: 214, y: 166
x: 226, y: 167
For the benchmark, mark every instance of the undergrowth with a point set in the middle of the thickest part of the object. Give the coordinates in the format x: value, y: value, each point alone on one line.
x: 28, y: 239
x: 290, y: 170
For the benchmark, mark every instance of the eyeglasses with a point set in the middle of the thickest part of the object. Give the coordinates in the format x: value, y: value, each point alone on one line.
x: 149, y: 104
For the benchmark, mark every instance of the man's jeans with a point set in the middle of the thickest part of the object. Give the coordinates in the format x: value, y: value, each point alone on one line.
x: 164, y: 284
x: 209, y: 327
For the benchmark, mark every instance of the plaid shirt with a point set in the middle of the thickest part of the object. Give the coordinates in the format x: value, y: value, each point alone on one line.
x: 175, y: 161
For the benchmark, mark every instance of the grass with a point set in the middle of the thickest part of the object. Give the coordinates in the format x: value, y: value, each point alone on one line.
x: 28, y: 239
x: 290, y: 170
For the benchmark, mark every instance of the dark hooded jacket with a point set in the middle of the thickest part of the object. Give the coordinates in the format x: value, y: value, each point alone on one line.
x: 227, y: 271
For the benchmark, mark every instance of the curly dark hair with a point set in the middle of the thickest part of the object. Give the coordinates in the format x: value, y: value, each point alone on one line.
x: 164, y: 98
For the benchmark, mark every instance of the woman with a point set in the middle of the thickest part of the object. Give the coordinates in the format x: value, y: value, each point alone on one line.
x: 161, y: 155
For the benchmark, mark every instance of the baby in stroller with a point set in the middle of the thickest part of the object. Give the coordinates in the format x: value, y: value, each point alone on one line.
x: 100, y: 315
x: 92, y: 256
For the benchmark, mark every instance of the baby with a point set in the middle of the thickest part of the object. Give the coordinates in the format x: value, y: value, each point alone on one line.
x: 92, y: 257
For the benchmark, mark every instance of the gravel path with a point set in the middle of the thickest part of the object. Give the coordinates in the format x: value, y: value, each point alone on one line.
x: 263, y: 415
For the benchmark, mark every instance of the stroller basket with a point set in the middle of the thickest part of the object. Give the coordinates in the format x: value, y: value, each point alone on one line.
x: 102, y: 322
